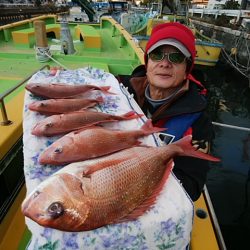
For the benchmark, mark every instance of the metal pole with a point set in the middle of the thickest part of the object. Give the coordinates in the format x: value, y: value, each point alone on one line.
x: 231, y: 126
x: 215, y: 222
x: 6, y: 121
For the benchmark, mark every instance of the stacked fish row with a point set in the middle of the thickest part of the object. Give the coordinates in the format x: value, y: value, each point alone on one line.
x: 69, y: 114
x: 102, y: 186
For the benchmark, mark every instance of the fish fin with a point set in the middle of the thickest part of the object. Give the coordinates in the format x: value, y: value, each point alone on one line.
x: 79, y: 130
x: 131, y: 115
x: 148, y: 128
x: 144, y: 145
x: 185, y: 144
x: 105, y: 89
x: 150, y: 201
x: 58, y: 84
x: 138, y: 143
x: 100, y: 99
x: 48, y: 113
x: 82, y: 109
x: 101, y: 165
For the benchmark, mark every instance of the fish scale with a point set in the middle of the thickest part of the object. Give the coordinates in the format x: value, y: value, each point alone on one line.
x: 138, y: 162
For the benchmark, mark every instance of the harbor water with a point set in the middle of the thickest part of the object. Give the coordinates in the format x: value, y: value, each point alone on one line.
x: 228, y: 182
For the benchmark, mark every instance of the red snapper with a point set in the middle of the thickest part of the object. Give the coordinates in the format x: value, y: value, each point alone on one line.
x: 60, y: 106
x: 64, y: 123
x: 111, y: 189
x: 55, y: 91
x: 93, y: 142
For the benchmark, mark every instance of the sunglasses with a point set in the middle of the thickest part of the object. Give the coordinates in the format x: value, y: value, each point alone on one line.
x: 173, y: 57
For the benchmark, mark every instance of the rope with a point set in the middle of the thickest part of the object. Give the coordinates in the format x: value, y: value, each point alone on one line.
x: 56, y: 61
x: 240, y: 68
x: 244, y: 70
x: 231, y: 126
x: 41, y: 54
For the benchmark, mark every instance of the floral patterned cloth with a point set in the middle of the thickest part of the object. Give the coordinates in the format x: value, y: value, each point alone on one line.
x: 166, y: 226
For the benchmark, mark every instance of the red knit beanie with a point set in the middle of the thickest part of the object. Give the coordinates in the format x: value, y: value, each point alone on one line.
x: 172, y: 30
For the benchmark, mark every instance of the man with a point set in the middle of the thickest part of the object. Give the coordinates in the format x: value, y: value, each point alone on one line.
x: 172, y: 98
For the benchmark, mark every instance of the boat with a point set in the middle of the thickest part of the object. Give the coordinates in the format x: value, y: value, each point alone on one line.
x: 106, y: 46
x: 75, y: 15
x: 207, y: 49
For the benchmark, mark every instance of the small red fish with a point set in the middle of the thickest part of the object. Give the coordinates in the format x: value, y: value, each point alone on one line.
x: 93, y: 142
x: 60, y: 106
x: 59, y: 91
x: 64, y: 123
x: 112, y: 189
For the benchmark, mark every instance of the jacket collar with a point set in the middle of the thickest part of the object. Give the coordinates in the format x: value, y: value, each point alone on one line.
x: 185, y: 102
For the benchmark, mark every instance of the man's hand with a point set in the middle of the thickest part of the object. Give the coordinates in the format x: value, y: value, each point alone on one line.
x: 201, y: 145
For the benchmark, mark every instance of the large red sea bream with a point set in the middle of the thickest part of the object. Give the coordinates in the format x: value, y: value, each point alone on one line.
x: 112, y: 189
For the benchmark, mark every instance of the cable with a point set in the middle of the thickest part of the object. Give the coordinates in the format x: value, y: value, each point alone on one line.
x: 244, y: 70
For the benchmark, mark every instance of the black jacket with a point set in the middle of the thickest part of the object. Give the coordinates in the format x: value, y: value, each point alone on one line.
x: 191, y: 172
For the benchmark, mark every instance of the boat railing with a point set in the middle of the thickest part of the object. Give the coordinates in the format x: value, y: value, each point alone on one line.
x: 218, y: 12
x: 6, y: 121
x: 216, y: 227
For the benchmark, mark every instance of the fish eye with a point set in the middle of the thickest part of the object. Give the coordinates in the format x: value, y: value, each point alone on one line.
x: 55, y: 210
x: 58, y: 150
x: 49, y: 125
x: 42, y: 104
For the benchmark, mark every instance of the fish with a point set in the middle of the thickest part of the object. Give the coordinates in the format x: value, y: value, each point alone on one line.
x: 64, y: 123
x: 117, y: 188
x: 93, y: 142
x: 59, y: 91
x: 60, y: 106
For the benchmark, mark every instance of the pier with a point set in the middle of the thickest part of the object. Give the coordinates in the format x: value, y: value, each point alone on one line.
x: 217, y: 12
x: 13, y: 13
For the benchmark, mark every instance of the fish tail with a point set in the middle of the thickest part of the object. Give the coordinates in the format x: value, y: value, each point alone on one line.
x: 148, y: 128
x: 100, y: 99
x: 27, y: 86
x: 188, y: 150
x: 105, y: 90
x: 131, y: 115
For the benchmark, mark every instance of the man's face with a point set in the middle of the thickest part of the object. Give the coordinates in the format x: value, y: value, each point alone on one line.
x: 164, y: 74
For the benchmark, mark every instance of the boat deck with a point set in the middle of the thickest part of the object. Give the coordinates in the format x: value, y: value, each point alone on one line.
x: 114, y: 54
